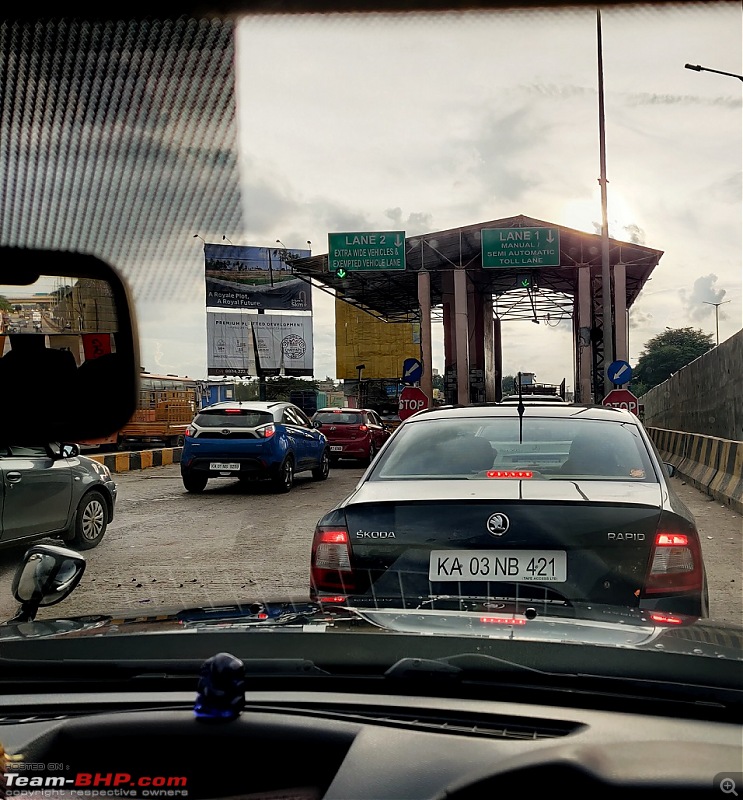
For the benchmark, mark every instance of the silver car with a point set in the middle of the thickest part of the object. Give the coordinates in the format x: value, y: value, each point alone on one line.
x: 50, y: 490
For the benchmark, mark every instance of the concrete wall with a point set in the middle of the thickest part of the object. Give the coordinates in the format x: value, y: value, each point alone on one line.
x: 704, y: 397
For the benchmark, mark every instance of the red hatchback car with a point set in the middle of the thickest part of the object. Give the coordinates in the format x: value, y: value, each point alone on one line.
x: 355, y: 433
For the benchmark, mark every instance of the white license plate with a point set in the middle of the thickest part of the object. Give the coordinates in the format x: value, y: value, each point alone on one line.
x: 548, y: 566
x: 336, y: 448
x: 227, y: 466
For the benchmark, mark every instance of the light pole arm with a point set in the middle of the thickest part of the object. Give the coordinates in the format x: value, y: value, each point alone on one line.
x: 698, y: 68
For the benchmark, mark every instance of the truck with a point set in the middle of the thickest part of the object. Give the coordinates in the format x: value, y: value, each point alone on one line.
x: 308, y: 400
x: 167, y: 405
x: 165, y: 424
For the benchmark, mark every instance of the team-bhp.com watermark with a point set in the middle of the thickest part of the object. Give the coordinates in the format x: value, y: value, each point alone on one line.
x: 96, y: 784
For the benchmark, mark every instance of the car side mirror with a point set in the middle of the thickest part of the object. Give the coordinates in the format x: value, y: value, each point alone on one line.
x: 317, y: 424
x: 45, y: 577
x: 670, y: 469
x: 78, y: 365
x: 70, y: 450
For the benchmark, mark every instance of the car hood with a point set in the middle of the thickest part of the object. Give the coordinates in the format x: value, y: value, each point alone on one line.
x: 608, y: 626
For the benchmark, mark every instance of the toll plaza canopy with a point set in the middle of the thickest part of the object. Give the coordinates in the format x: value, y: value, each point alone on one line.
x: 393, y: 294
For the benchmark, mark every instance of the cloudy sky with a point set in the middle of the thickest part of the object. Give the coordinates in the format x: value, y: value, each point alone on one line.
x: 428, y: 122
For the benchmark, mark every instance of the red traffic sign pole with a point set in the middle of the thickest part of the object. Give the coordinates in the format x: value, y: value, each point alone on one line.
x: 622, y: 398
x: 412, y: 399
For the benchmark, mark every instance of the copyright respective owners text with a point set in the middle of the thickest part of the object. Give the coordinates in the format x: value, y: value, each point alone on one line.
x: 728, y: 783
x: 30, y: 780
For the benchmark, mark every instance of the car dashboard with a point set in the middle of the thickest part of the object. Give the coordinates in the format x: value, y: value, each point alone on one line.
x: 341, y: 745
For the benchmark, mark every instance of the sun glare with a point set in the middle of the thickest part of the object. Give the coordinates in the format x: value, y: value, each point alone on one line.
x: 585, y: 215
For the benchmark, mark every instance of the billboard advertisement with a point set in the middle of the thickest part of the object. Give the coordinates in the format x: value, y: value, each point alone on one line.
x: 244, y: 344
x: 283, y: 344
x: 243, y: 277
x: 229, y: 341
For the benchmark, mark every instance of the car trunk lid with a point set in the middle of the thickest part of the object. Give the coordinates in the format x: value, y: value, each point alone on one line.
x: 586, y: 541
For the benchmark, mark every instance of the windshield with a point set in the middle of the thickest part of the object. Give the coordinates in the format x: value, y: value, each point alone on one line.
x: 233, y: 418
x: 339, y: 418
x: 549, y: 447
x: 349, y: 240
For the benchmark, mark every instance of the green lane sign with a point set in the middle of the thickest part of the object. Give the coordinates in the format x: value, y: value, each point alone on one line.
x: 366, y: 251
x: 520, y: 247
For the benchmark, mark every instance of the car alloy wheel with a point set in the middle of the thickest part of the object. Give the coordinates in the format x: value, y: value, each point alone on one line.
x: 322, y: 472
x: 91, y: 521
x: 285, y: 479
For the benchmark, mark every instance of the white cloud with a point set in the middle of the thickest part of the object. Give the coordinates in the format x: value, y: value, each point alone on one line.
x: 429, y: 122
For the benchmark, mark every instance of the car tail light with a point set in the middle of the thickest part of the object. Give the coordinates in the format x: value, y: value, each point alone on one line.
x: 363, y: 427
x: 266, y: 431
x: 675, y: 564
x: 509, y: 473
x: 666, y: 619
x: 330, y: 568
x: 190, y: 430
x: 233, y: 411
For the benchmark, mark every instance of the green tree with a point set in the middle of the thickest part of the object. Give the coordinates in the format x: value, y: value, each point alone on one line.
x: 667, y: 353
x: 279, y: 388
x: 5, y: 304
x: 508, y: 384
x: 246, y: 391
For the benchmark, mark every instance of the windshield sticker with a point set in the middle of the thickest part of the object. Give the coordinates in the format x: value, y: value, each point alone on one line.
x: 637, y: 473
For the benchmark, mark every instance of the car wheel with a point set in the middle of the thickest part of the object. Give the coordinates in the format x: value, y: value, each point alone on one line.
x: 372, y: 453
x: 91, y: 521
x: 321, y: 473
x: 176, y: 441
x: 194, y: 482
x: 284, y: 479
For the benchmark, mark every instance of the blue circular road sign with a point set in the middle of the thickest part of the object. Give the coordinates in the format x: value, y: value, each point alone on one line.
x: 619, y: 372
x: 412, y: 371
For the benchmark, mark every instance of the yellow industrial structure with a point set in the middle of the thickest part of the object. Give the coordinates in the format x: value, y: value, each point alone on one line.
x: 380, y: 346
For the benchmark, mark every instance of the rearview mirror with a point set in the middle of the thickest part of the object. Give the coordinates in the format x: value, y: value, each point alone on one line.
x: 68, y: 353
x: 46, y: 576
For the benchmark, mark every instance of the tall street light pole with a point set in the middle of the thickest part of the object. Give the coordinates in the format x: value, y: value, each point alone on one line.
x: 698, y: 68
x: 605, y: 268
x: 717, y: 320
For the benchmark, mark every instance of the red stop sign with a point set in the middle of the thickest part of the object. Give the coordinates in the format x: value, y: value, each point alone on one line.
x: 622, y: 398
x: 412, y: 399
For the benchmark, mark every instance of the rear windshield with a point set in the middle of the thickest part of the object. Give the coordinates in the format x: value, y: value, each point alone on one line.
x: 552, y: 449
x: 339, y: 418
x: 228, y: 418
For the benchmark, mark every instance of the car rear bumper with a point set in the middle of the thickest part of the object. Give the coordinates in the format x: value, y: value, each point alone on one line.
x: 248, y: 467
x: 349, y: 448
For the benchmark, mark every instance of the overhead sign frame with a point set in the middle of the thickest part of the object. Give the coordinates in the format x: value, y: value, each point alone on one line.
x: 366, y: 251
x: 515, y: 248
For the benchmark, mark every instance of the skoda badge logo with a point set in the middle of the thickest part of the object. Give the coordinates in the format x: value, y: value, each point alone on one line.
x: 498, y: 524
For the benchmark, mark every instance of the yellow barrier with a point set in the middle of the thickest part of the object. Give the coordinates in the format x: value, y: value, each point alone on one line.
x: 711, y: 464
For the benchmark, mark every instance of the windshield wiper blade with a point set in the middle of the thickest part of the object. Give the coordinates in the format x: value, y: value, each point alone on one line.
x: 457, y: 667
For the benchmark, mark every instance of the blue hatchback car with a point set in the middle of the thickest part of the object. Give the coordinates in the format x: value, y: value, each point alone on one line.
x: 253, y: 440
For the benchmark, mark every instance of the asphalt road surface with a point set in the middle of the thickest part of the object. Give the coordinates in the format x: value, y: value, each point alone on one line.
x: 166, y: 547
